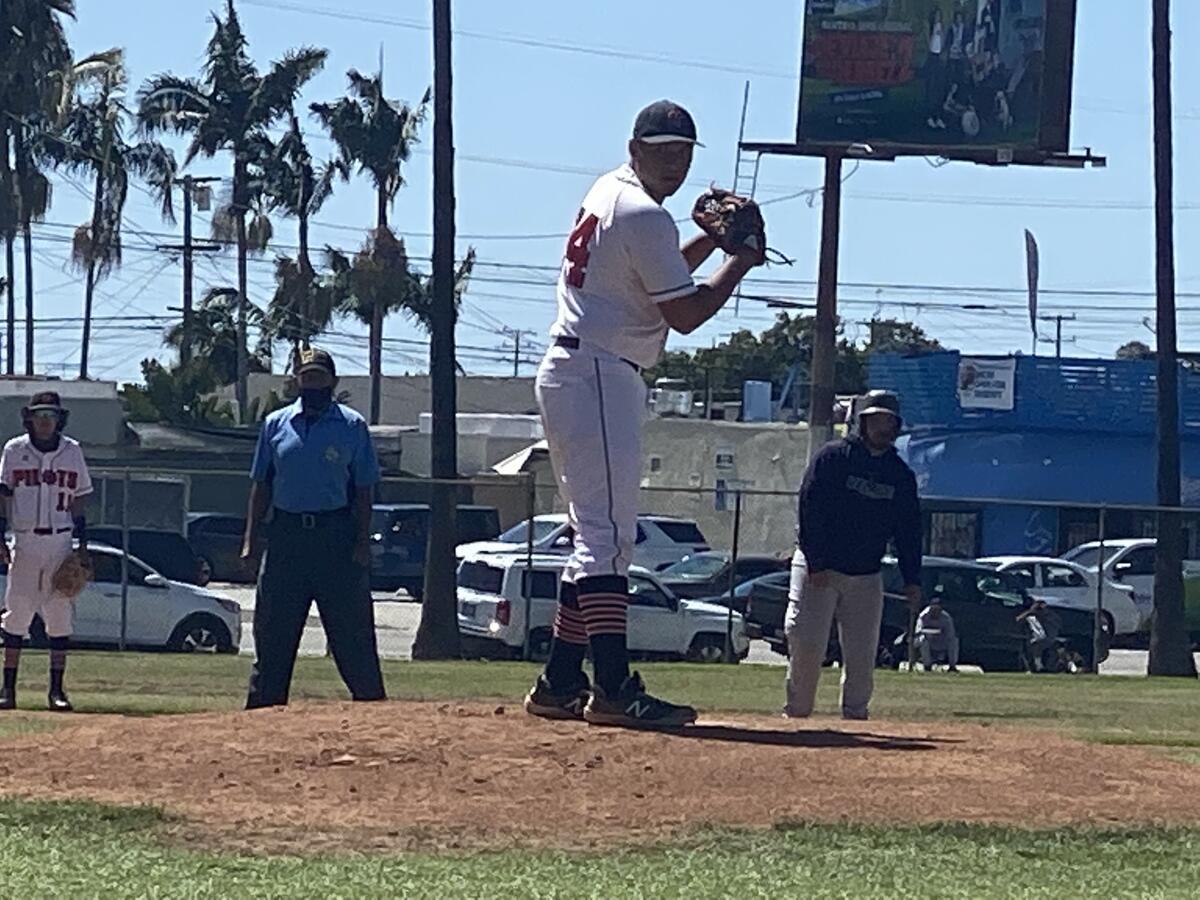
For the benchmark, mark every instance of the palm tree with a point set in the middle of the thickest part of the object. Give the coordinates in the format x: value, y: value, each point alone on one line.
x: 304, y: 303
x: 215, y: 334
x: 378, y: 279
x: 376, y: 135
x: 9, y: 220
x: 93, y: 142
x: 229, y: 108
x: 33, y: 55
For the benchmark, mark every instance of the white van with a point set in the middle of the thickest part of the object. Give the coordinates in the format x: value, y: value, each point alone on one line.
x: 491, y: 612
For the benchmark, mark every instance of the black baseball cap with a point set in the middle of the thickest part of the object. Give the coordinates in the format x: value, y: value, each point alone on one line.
x: 45, y: 400
x: 314, y: 360
x: 664, y: 122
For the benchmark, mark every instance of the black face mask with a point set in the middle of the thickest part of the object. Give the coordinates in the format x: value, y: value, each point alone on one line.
x: 316, y: 400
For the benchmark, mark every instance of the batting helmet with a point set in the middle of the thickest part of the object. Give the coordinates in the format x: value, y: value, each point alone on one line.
x: 44, y: 400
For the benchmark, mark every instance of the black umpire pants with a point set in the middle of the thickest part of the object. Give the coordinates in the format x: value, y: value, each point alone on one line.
x: 311, y: 558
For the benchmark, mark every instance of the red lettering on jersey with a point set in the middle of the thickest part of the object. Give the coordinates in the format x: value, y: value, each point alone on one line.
x: 577, y: 249
x: 72, y: 480
x: 19, y: 477
x: 49, y: 477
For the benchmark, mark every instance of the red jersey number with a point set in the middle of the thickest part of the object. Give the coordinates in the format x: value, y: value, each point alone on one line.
x: 577, y: 249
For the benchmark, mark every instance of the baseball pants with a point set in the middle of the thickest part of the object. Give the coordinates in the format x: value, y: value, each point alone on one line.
x: 932, y: 649
x: 302, y: 565
x: 35, y: 559
x: 593, y: 405
x: 857, y: 602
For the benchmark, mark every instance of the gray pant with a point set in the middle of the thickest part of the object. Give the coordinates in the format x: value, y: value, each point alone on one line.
x: 857, y: 602
x: 932, y: 646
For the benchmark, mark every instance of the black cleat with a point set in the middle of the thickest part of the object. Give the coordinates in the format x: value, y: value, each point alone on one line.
x: 59, y: 703
x: 543, y: 701
x: 8, y: 699
x: 634, y: 708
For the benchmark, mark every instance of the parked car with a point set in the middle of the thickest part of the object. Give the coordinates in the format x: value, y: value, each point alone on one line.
x: 166, y: 552
x: 984, y: 604
x: 216, y: 539
x: 1063, y: 583
x: 660, y: 541
x: 741, y: 594
x: 161, y: 614
x: 400, y: 537
x: 491, y: 612
x: 708, y: 573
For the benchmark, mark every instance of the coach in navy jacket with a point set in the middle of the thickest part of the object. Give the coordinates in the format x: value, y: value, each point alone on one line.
x: 857, y: 496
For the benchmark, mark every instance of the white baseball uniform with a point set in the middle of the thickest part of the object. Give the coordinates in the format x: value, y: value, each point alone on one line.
x: 622, y: 259
x: 43, y: 486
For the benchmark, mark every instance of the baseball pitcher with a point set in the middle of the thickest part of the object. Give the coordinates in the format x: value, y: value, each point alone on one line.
x: 625, y: 281
x: 44, y: 479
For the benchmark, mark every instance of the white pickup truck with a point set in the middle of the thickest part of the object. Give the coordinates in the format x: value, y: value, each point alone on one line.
x: 492, y: 602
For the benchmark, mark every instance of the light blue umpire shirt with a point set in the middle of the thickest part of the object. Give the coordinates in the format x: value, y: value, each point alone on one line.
x: 314, y: 465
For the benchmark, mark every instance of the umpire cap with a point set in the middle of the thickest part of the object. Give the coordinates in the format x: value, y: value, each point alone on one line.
x: 885, y: 402
x: 314, y: 360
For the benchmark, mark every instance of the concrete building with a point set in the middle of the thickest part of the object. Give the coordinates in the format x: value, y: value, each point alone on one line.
x: 693, y: 468
x: 405, y: 397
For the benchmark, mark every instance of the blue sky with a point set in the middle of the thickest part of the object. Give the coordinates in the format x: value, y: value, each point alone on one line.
x: 545, y: 93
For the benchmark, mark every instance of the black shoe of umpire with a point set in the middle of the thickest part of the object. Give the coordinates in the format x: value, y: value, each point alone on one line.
x: 632, y: 707
x: 59, y: 703
x: 8, y: 698
x: 547, y: 702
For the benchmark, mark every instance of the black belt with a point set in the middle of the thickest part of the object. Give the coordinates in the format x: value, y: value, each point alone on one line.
x: 45, y: 531
x: 311, y: 520
x: 572, y: 343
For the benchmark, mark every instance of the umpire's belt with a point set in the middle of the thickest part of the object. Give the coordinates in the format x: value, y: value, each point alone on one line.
x: 572, y: 343
x: 46, y: 531
x: 311, y: 520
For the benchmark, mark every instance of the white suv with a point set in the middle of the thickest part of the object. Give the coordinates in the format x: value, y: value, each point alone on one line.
x: 492, y: 604
x: 661, y: 540
x: 1128, y: 561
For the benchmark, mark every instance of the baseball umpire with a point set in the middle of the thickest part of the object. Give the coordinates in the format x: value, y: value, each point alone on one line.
x: 857, y: 496
x: 313, y: 477
x: 45, y: 479
x: 625, y: 281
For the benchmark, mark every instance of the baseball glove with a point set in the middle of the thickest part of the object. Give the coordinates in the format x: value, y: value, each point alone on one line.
x: 734, y: 223
x: 72, y: 574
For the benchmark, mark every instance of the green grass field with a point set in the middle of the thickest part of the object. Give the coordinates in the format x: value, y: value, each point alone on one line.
x: 79, y: 850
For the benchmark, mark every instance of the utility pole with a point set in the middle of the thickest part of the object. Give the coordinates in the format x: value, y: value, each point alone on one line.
x: 1170, y: 646
x: 1058, y: 338
x: 437, y: 635
x: 516, y: 354
x: 187, y: 248
x: 820, y: 412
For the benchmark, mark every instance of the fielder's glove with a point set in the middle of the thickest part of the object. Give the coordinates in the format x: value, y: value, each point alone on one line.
x: 72, y: 574
x: 734, y: 223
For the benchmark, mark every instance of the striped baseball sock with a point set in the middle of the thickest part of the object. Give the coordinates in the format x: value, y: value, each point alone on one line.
x: 604, y: 602
x: 564, y: 668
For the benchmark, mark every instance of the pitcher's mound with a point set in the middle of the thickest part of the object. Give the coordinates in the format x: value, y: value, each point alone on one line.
x: 390, y: 775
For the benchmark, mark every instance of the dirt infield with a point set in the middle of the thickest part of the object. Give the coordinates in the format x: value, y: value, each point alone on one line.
x: 395, y: 775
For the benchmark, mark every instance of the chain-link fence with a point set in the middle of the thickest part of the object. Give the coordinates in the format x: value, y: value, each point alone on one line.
x: 711, y: 582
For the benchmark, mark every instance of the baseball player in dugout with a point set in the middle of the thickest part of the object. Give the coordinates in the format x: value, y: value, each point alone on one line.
x: 625, y: 281
x: 44, y: 480
x: 313, y: 480
x: 857, y: 496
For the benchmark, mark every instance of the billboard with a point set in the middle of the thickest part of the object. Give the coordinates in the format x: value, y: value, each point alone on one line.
x: 938, y: 73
